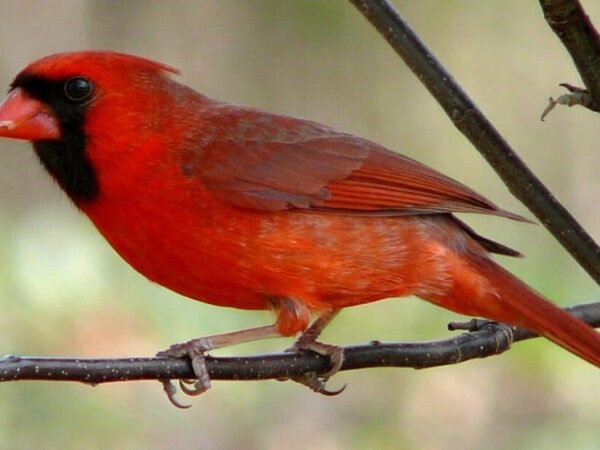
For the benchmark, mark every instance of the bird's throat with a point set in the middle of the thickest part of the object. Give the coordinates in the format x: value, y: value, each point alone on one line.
x: 68, y: 164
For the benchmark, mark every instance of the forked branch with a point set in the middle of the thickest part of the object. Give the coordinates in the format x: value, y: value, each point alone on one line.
x: 485, y: 138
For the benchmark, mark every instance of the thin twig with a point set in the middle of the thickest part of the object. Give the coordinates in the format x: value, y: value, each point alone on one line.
x: 487, y: 341
x: 487, y: 140
x: 569, y: 21
x: 575, y: 96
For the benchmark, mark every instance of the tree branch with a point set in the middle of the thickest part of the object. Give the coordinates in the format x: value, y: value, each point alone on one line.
x: 570, y: 23
x: 487, y: 140
x: 490, y: 339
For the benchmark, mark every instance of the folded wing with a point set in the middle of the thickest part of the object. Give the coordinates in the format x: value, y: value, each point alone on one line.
x: 261, y: 161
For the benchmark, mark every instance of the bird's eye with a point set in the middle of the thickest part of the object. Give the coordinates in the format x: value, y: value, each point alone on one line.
x: 78, y: 89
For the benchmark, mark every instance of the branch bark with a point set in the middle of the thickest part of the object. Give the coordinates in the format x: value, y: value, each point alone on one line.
x: 490, y: 339
x: 573, y: 27
x: 487, y: 140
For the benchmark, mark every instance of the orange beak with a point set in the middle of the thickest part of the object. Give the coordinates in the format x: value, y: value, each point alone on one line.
x: 23, y: 117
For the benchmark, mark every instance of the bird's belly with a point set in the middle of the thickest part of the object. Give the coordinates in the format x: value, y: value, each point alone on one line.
x: 247, y: 259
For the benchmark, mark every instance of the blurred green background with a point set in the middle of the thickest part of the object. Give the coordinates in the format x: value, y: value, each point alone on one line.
x: 63, y: 291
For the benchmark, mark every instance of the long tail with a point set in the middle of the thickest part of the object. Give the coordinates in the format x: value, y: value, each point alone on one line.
x: 507, y: 299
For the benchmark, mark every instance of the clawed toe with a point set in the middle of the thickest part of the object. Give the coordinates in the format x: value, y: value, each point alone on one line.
x: 335, y: 354
x: 195, y: 350
x: 171, y: 392
x: 194, y: 387
x: 317, y: 384
x: 308, y: 341
x: 336, y: 358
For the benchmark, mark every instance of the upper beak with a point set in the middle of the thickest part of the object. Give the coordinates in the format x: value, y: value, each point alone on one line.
x: 23, y: 117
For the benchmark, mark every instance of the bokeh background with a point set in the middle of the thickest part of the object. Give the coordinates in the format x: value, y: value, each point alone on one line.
x: 63, y: 291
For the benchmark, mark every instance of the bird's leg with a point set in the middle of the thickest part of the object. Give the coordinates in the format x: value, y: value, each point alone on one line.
x: 308, y: 341
x: 195, y: 349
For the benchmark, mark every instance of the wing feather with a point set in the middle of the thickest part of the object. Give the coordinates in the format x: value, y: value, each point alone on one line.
x: 268, y: 162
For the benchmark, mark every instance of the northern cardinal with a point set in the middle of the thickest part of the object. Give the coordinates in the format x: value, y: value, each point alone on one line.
x: 238, y: 207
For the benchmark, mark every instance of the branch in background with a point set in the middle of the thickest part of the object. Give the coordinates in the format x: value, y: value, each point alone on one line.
x: 490, y: 339
x: 570, y: 23
x: 576, y: 96
x: 474, y: 125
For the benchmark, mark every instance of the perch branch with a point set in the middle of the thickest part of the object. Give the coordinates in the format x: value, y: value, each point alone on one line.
x: 490, y: 339
x: 487, y: 140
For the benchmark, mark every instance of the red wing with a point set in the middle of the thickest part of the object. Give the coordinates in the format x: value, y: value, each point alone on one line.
x: 266, y: 162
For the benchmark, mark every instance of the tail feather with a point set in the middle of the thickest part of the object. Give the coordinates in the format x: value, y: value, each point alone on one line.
x: 516, y: 303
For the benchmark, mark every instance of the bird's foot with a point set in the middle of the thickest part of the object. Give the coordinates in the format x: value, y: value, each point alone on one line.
x: 312, y: 380
x: 195, y: 350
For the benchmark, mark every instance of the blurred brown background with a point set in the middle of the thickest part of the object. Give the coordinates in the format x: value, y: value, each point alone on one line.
x: 63, y: 291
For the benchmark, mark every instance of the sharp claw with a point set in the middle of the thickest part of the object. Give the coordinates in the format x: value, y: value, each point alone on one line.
x: 195, y: 350
x: 329, y: 393
x: 196, y: 389
x: 171, y: 391
x: 318, y: 385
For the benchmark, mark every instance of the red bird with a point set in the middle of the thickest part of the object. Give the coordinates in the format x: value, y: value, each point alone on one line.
x: 239, y: 207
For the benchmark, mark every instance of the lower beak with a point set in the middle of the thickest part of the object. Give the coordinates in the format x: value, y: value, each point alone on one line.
x: 23, y: 117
